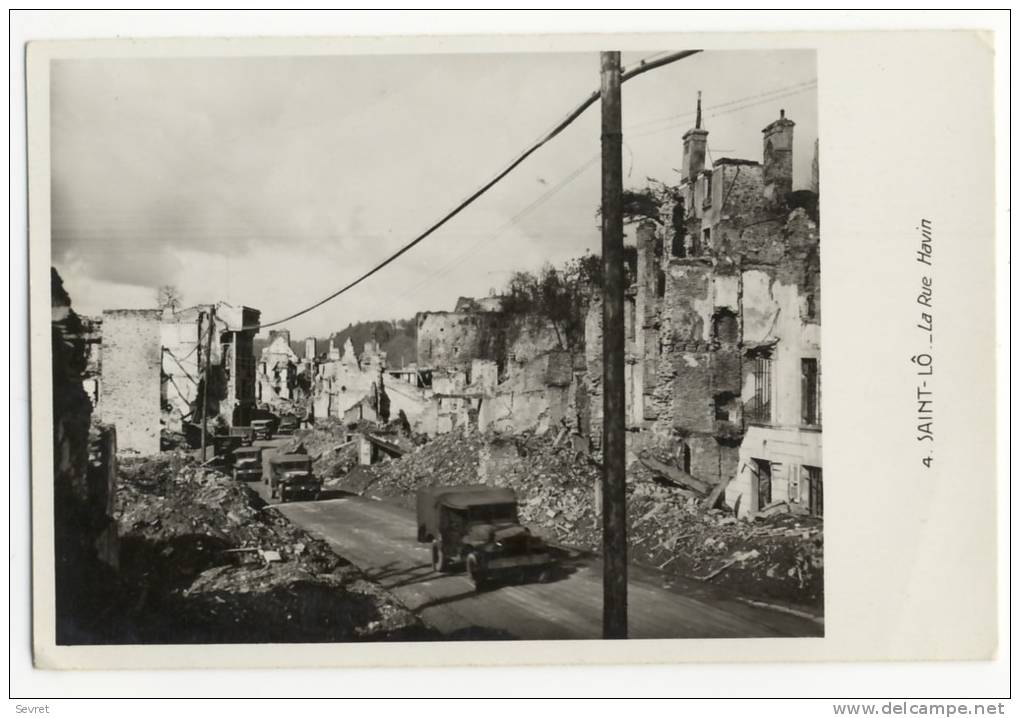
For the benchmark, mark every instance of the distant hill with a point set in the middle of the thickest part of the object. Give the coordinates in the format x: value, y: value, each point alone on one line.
x: 398, y: 338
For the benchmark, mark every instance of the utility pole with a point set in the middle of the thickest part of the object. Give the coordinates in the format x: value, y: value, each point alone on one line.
x: 211, y: 323
x: 614, y: 495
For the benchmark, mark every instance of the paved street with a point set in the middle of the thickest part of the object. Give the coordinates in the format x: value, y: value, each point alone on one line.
x: 380, y: 538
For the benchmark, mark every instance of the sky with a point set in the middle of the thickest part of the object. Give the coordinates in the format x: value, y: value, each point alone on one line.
x: 273, y: 181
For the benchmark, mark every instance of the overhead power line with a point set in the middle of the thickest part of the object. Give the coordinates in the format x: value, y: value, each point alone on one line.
x: 734, y: 105
x: 643, y: 66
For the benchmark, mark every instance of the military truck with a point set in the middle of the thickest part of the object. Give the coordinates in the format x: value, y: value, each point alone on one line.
x: 291, y: 475
x: 224, y: 446
x: 262, y: 428
x: 477, y: 527
x: 289, y: 423
x: 247, y: 463
x: 244, y: 432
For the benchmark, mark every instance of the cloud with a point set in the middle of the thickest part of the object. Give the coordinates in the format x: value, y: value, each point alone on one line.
x: 273, y: 181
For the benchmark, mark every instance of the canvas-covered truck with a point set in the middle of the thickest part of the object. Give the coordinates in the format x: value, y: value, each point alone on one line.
x: 476, y: 527
x: 247, y: 463
x: 291, y: 475
x: 289, y: 423
x: 262, y: 428
x: 244, y: 432
x: 224, y: 446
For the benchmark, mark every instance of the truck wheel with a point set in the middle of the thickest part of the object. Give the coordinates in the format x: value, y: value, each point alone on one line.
x: 440, y: 563
x: 475, y: 571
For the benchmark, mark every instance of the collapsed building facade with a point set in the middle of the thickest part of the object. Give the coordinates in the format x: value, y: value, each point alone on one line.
x: 475, y: 353
x: 154, y: 368
x: 86, y: 547
x: 348, y: 387
x: 723, y: 328
x: 278, y: 369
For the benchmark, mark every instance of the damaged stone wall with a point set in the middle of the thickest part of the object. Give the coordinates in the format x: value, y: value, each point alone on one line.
x: 92, y: 375
x: 730, y: 269
x: 452, y: 340
x: 455, y: 339
x: 132, y: 365
x: 231, y: 395
x: 84, y: 480
x: 340, y: 384
x: 278, y: 369
x: 536, y: 398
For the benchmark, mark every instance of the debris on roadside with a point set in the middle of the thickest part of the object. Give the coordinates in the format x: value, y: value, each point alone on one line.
x: 204, y: 560
x: 672, y: 524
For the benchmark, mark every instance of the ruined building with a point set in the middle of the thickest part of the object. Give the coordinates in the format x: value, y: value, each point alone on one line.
x: 154, y: 367
x: 278, y: 369
x: 723, y: 363
x: 86, y: 547
x: 477, y: 364
x: 351, y: 388
x: 722, y: 327
x: 184, y: 335
x: 448, y: 342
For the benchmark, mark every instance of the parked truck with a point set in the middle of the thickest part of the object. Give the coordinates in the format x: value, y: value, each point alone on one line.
x: 477, y: 527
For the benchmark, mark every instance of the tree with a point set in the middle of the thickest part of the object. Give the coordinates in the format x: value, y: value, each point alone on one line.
x: 563, y: 294
x: 168, y: 297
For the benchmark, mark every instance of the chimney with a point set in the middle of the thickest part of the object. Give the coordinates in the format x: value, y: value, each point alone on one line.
x: 778, y: 157
x: 695, y: 142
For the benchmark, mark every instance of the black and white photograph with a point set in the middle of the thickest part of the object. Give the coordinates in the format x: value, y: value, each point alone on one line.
x: 437, y: 347
x: 365, y: 360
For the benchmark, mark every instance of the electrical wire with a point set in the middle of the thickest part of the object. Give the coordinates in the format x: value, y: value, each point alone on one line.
x: 510, y: 223
x: 741, y: 104
x: 643, y: 66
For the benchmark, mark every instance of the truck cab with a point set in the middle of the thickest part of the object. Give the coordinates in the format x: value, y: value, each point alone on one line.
x: 477, y: 527
x: 247, y: 463
x: 291, y: 475
x: 262, y: 428
x: 289, y: 423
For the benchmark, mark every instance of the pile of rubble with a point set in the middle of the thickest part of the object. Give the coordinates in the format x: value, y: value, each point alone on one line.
x: 331, y: 445
x: 774, y: 557
x: 778, y: 557
x: 204, y: 560
x: 448, y: 459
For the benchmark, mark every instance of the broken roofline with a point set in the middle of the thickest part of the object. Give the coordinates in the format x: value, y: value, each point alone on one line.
x: 235, y: 317
x: 224, y: 311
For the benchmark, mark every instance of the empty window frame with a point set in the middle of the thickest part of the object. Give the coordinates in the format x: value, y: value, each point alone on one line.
x: 810, y: 392
x: 725, y: 406
x: 759, y: 409
x: 724, y: 326
x: 814, y: 481
x: 763, y: 483
x: 678, y: 246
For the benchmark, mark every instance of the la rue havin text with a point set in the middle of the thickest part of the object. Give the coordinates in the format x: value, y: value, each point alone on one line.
x: 924, y: 361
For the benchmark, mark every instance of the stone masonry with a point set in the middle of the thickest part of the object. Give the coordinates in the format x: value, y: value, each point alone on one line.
x: 132, y: 361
